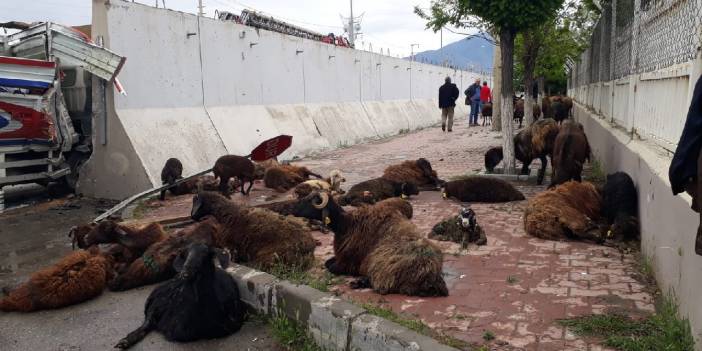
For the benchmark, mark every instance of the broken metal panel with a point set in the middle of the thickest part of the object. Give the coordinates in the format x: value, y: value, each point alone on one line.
x: 24, y: 73
x: 33, y: 48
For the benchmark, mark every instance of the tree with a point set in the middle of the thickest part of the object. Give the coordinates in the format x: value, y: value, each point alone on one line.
x: 507, y: 18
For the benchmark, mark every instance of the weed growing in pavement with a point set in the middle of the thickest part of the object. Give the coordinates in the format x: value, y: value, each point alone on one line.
x: 660, y: 331
x: 488, y: 335
x: 298, y: 275
x: 596, y: 174
x: 291, y: 335
x: 512, y: 279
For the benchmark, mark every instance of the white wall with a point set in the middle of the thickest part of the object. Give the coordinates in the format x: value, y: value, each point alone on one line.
x: 199, y: 88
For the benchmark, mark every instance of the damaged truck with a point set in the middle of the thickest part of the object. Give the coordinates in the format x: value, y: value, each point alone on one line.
x: 47, y: 73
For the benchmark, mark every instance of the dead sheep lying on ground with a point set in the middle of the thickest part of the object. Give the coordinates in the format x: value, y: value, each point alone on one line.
x: 532, y: 142
x: 201, y: 302
x: 332, y: 184
x: 257, y: 236
x: 481, y: 189
x: 156, y: 264
x: 462, y: 229
x: 570, y: 151
x: 568, y: 211
x: 381, y: 245
x: 77, y: 277
x: 374, y: 190
x: 286, y: 177
x: 620, y: 207
x: 233, y: 166
x: 172, y: 171
x: 418, y: 172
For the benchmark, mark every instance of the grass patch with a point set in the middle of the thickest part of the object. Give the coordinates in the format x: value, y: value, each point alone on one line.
x: 140, y: 209
x: 488, y: 335
x: 403, y: 131
x: 597, y: 174
x: 660, y: 331
x: 415, y: 325
x: 512, y: 279
x: 300, y: 275
x: 291, y: 335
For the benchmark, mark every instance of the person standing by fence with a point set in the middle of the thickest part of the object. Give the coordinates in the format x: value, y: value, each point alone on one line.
x: 685, y: 171
x: 485, y: 97
x: 448, y: 93
x: 473, y: 96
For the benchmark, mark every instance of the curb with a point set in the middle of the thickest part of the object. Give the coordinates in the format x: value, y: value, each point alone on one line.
x: 333, y: 323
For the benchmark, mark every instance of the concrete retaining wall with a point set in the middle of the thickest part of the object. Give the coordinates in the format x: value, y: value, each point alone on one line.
x: 199, y: 88
x: 668, y: 225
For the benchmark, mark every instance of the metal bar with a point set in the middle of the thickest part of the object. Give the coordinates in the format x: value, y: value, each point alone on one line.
x: 145, y: 193
x: 25, y: 163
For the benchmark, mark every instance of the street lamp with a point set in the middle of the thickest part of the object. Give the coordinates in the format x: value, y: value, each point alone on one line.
x: 411, y: 59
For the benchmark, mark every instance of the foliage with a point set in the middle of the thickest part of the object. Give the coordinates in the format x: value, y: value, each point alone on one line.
x: 488, y: 335
x: 291, y: 335
x: 660, y: 331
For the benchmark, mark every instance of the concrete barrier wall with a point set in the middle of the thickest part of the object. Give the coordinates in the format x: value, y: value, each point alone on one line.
x: 199, y: 88
x: 668, y: 225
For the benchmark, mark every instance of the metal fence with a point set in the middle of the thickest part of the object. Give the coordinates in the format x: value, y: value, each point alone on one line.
x: 637, y: 68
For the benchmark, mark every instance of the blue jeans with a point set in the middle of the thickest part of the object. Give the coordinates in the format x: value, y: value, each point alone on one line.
x: 474, y: 110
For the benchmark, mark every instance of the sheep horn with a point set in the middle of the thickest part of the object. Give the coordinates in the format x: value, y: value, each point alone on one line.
x: 324, y: 202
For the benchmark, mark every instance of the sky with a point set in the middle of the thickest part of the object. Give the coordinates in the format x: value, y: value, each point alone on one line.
x: 386, y: 24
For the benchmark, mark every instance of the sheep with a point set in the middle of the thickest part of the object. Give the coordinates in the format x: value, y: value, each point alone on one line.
x: 335, y: 179
x: 155, y: 265
x: 568, y: 104
x: 568, y: 211
x: 560, y: 111
x: 202, y: 302
x: 111, y: 232
x: 620, y: 207
x: 398, y: 204
x: 418, y: 172
x: 546, y: 107
x: 284, y: 178
x: 486, y: 111
x: 481, y: 189
x: 172, y: 171
x: 570, y: 151
x: 535, y: 141
x: 462, y: 229
x: 307, y: 187
x: 381, y: 245
x: 77, y: 277
x: 373, y: 190
x: 230, y: 166
x: 257, y: 236
x: 204, y: 182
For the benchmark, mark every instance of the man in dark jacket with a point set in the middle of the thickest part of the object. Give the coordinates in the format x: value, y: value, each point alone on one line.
x: 685, y: 171
x: 473, y: 96
x: 448, y: 93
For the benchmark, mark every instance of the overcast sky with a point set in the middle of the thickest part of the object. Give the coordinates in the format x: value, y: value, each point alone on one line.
x: 386, y: 23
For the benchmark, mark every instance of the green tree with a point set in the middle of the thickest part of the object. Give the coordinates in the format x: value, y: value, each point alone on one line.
x: 505, y: 18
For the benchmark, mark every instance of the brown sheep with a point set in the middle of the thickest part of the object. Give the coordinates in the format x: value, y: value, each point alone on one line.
x: 111, y: 232
x: 284, y: 178
x: 172, y: 171
x: 486, y: 111
x: 418, y: 172
x: 77, y: 277
x: 570, y: 151
x: 546, y: 107
x: 230, y: 166
x: 373, y: 190
x: 380, y: 245
x: 403, y: 206
x: 481, y: 189
x: 569, y: 211
x: 156, y: 264
x: 257, y: 236
x: 204, y: 182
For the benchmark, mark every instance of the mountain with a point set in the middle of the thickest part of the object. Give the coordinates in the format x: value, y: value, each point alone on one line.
x: 475, y: 51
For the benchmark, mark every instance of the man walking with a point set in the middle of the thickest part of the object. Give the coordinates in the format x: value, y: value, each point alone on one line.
x: 473, y: 95
x: 448, y: 93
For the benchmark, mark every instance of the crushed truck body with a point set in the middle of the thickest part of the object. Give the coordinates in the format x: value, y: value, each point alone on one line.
x: 46, y: 107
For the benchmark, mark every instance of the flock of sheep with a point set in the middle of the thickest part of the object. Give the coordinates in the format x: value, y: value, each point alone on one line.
x: 376, y: 241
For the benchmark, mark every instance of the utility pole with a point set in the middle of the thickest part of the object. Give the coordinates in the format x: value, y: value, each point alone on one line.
x: 410, y: 70
x: 200, y: 8
x: 352, y: 36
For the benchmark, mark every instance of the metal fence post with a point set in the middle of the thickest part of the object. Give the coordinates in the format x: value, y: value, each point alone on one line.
x: 634, y: 73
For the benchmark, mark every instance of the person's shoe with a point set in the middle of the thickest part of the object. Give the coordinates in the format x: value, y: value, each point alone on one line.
x: 443, y: 128
x: 450, y: 130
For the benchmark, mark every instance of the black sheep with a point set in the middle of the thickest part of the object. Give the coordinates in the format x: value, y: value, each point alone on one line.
x: 230, y: 166
x: 620, y: 206
x: 492, y: 158
x: 201, y: 302
x: 171, y: 172
x: 374, y: 190
x: 462, y: 229
x: 481, y: 189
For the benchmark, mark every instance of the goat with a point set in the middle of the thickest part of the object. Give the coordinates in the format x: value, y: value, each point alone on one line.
x: 286, y: 177
x: 481, y: 189
x: 230, y: 166
x: 155, y: 265
x: 77, y: 277
x: 257, y: 236
x: 172, y: 171
x: 620, y: 207
x: 569, y: 210
x: 202, y: 302
x: 570, y: 151
x: 373, y: 190
x: 535, y: 141
x: 462, y: 229
x: 381, y: 245
x: 418, y: 172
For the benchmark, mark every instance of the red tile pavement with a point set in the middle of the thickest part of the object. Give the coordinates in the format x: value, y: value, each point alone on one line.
x: 516, y: 286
